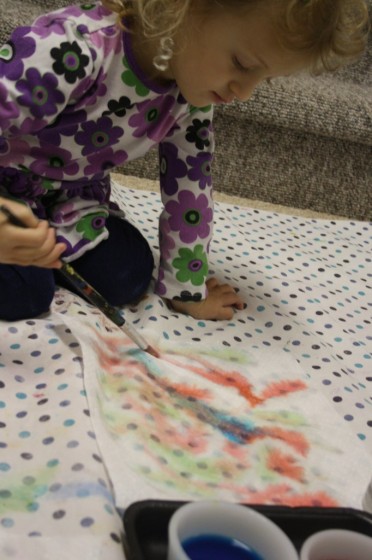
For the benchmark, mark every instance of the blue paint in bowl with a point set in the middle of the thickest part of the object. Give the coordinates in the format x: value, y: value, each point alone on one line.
x: 217, y: 547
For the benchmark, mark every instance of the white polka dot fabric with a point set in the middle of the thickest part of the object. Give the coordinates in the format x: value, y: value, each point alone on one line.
x: 307, y: 288
x: 55, y: 496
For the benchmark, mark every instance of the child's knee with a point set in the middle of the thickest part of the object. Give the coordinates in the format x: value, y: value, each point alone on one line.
x: 25, y: 292
x: 134, y: 276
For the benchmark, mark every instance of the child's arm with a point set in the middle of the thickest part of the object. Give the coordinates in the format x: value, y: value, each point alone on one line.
x: 219, y: 303
x: 34, y: 246
x: 186, y: 222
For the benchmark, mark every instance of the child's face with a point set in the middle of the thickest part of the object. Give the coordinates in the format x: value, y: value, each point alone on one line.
x: 225, y: 57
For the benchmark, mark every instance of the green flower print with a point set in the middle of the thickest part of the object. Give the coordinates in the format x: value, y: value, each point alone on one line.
x: 192, y: 265
x: 205, y: 109
x: 92, y: 225
x: 130, y: 79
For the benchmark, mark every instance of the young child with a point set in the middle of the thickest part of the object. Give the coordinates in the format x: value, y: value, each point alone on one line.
x: 89, y: 87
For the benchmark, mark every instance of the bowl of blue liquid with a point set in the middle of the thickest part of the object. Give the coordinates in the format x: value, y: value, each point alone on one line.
x: 208, y: 530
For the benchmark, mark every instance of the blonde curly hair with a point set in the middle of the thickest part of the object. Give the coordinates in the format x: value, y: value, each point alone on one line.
x: 329, y: 33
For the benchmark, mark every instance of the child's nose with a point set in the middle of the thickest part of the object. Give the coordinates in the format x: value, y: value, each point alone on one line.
x: 243, y: 90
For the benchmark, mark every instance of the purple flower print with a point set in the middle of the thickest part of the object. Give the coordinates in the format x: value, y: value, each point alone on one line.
x: 28, y: 126
x: 88, y: 189
x: 160, y: 287
x: 108, y: 41
x: 11, y: 150
x: 153, y: 118
x: 40, y: 93
x: 171, y: 168
x: 21, y: 184
x: 105, y: 160
x: 14, y: 51
x: 52, y: 23
x: 4, y: 149
x: 52, y: 161
x: 71, y: 249
x: 53, y: 133
x: 200, y: 169
x: 167, y: 243
x: 60, y: 212
x: 191, y: 216
x: 98, y: 190
x: 97, y: 135
x: 8, y: 109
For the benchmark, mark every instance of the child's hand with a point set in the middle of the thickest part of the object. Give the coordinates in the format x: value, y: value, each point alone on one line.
x: 219, y: 304
x: 34, y: 245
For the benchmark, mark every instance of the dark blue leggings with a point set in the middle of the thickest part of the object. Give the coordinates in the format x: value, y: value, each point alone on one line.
x: 120, y: 268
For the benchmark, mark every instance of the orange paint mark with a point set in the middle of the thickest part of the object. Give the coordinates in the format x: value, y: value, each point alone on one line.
x: 285, y: 465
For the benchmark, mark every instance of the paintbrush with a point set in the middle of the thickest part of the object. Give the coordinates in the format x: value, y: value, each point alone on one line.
x: 91, y: 294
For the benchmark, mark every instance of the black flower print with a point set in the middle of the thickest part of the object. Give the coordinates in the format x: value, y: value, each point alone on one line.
x: 69, y: 61
x: 188, y: 296
x: 119, y: 107
x: 198, y: 133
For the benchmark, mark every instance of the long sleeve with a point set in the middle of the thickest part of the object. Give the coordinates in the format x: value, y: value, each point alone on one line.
x: 186, y: 222
x: 53, y: 133
x: 41, y: 68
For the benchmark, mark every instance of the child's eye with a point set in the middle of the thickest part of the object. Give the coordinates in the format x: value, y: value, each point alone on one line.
x: 240, y: 66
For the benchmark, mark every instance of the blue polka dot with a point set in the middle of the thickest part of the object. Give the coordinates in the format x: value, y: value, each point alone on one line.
x: 24, y: 434
x: 7, y: 522
x: 87, y: 522
x: 62, y: 386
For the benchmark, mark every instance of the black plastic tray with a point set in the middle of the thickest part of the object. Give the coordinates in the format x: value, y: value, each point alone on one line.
x: 146, y: 524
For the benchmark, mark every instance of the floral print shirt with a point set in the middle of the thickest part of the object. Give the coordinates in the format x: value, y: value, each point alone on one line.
x: 73, y: 105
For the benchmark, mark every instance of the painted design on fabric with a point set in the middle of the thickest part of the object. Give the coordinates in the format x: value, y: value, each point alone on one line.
x: 192, y: 441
